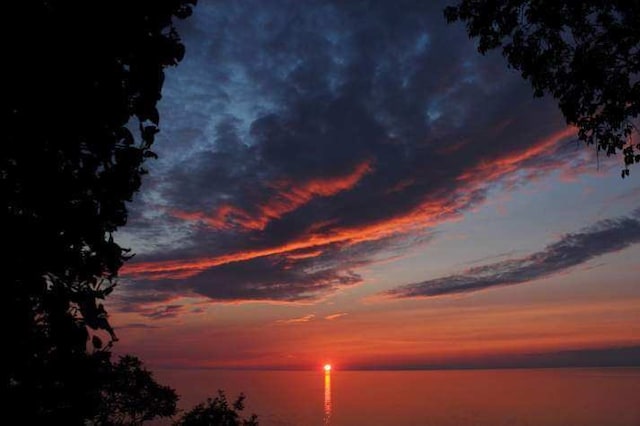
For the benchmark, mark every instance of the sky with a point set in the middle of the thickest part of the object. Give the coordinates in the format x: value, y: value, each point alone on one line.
x: 351, y: 182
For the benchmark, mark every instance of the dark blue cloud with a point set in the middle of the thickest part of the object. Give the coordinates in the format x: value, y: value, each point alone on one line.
x: 622, y: 356
x: 277, y: 100
x: 163, y: 312
x: 266, y: 279
x: 571, y: 250
x: 134, y: 325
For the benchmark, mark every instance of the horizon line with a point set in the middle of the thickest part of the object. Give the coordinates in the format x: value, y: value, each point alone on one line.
x: 453, y: 368
x: 612, y: 357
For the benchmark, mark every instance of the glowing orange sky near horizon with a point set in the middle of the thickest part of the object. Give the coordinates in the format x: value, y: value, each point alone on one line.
x: 397, y: 333
x: 355, y: 329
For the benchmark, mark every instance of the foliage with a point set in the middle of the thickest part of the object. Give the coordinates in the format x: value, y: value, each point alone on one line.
x: 131, y: 396
x: 79, y: 76
x: 584, y: 53
x: 218, y: 412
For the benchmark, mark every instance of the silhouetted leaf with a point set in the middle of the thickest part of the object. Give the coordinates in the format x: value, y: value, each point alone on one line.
x: 96, y: 342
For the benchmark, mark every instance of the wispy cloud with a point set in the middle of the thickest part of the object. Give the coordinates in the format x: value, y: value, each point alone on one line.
x: 298, y: 320
x: 133, y: 325
x: 335, y: 316
x: 162, y: 312
x: 570, y: 250
x: 287, y: 197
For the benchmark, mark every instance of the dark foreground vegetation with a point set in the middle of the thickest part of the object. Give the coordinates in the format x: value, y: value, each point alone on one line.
x: 131, y: 396
x: 81, y: 76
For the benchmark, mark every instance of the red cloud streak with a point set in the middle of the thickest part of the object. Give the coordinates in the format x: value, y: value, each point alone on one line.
x: 289, y: 198
x: 431, y: 212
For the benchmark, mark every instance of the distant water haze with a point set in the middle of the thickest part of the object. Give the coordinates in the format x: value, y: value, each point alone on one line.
x: 577, y: 396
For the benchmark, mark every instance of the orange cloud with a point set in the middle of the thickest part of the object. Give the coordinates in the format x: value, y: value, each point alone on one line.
x: 491, y: 170
x: 288, y: 198
x: 304, y: 254
x: 224, y: 217
x: 299, y: 320
x: 425, y: 215
x: 335, y: 316
x: 440, y: 207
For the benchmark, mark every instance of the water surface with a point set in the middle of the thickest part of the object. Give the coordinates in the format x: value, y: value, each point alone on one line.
x: 455, y: 397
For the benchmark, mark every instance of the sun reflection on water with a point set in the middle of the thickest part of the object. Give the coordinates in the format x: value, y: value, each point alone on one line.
x: 327, y: 397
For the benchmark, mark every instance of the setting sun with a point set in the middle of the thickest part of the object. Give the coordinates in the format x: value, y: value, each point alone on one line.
x: 327, y: 367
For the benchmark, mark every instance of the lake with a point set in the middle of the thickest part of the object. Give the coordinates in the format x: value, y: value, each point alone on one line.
x: 580, y: 396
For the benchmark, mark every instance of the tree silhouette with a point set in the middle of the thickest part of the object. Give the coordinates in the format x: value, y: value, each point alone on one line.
x: 218, y: 412
x: 79, y: 76
x: 586, y: 54
x: 131, y: 396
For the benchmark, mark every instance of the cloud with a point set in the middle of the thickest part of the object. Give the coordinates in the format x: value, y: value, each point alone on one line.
x: 132, y: 298
x: 162, y: 312
x: 287, y: 197
x: 570, y: 250
x: 301, y: 140
x: 135, y: 325
x: 299, y: 320
x: 616, y: 356
x: 270, y: 279
x: 335, y: 316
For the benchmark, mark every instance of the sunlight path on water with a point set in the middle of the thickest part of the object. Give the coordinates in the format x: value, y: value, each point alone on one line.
x: 327, y: 396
